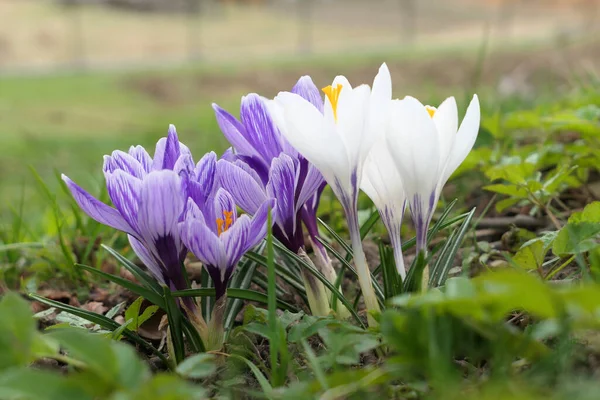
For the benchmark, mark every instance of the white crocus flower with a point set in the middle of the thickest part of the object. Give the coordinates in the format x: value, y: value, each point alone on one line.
x: 337, y: 142
x: 383, y: 184
x: 427, y: 146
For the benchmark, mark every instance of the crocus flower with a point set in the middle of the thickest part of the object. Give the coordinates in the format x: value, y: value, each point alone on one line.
x: 218, y: 238
x: 427, y: 146
x: 337, y: 142
x: 284, y: 185
x: 382, y: 183
x: 257, y: 141
x: 149, y: 198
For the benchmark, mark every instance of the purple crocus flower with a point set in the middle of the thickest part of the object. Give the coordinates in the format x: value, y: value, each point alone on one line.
x: 263, y: 164
x: 219, y: 238
x: 257, y: 140
x: 149, y: 197
x: 283, y: 184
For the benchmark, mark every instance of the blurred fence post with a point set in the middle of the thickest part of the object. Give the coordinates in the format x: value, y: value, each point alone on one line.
x: 193, y: 11
x: 304, y: 13
x: 77, y: 46
x: 409, y: 26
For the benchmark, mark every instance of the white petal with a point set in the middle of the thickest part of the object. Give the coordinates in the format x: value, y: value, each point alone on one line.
x: 381, y: 180
x: 352, y: 124
x: 446, y: 122
x: 413, y: 143
x: 381, y: 95
x: 342, y: 80
x: 465, y: 139
x: 309, y: 133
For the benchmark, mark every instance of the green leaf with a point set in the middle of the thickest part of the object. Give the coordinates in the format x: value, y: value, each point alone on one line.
x: 133, y: 313
x: 115, y: 363
x: 506, y: 203
x: 197, y: 366
x: 101, y: 320
x: 516, y: 173
x: 575, y: 238
x: 168, y: 387
x: 27, y: 383
x: 508, y: 189
x: 531, y: 257
x: 17, y: 332
x: 590, y: 214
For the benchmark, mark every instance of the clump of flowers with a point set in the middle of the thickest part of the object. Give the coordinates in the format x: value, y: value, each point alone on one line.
x: 284, y: 151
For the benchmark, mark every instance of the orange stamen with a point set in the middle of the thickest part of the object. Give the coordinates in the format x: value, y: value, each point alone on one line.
x: 333, y: 94
x: 224, y: 224
x: 431, y: 110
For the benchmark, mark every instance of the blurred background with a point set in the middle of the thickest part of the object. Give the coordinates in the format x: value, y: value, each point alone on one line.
x: 80, y: 78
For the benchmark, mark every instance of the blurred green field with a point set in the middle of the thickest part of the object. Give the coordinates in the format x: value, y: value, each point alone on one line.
x: 66, y: 122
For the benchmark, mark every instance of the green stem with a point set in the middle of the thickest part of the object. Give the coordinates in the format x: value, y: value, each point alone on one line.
x: 315, y: 290
x: 326, y: 268
x: 362, y: 269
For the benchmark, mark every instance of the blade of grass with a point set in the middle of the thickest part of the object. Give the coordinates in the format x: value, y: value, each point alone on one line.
x: 346, y: 265
x: 175, y: 325
x: 392, y: 282
x: 234, y: 293
x: 148, y: 294
x: 325, y: 281
x: 439, y: 272
x: 144, y: 278
x: 272, y: 306
x: 369, y: 224
x: 262, y: 381
x: 284, y: 273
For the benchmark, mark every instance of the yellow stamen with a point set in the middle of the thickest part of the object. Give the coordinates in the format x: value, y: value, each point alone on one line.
x: 333, y: 94
x: 224, y: 224
x: 431, y: 110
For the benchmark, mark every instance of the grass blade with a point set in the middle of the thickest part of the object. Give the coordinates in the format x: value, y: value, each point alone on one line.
x: 147, y: 280
x: 325, y: 281
x: 235, y: 293
x: 392, y: 282
x: 175, y: 325
x: 148, y: 294
x: 439, y: 272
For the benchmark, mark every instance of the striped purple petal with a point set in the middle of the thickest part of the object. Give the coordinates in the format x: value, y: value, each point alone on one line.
x: 96, y: 209
x: 140, y: 154
x: 124, y: 191
x: 147, y: 258
x: 168, y: 151
x: 120, y: 160
x: 309, y: 187
x: 234, y: 132
x: 261, y: 131
x: 282, y: 186
x: 245, y: 190
x: 161, y: 204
